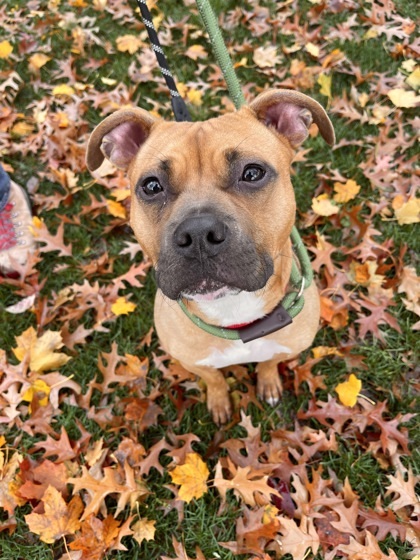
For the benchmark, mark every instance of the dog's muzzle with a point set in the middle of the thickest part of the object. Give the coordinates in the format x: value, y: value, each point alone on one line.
x: 205, y: 252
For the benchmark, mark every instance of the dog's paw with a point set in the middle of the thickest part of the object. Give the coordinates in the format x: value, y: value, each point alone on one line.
x: 219, y: 405
x: 269, y: 388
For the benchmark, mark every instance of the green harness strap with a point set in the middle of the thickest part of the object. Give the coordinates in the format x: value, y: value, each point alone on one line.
x: 300, y: 277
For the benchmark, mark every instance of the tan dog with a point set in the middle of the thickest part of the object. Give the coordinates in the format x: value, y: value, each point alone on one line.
x: 213, y: 206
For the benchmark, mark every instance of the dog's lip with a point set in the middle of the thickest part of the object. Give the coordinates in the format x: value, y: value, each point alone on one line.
x: 209, y: 291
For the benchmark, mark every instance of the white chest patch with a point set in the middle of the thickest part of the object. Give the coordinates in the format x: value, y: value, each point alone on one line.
x: 233, y: 309
x: 237, y: 352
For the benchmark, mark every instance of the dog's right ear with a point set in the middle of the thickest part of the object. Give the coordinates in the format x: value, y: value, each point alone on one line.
x: 118, y: 138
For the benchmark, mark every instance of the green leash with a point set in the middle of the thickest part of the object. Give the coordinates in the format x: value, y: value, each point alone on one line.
x: 221, y: 52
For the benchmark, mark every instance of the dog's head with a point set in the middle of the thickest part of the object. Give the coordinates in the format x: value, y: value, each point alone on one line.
x: 212, y: 202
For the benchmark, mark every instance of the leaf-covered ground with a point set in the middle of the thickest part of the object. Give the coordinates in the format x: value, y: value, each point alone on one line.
x: 107, y: 448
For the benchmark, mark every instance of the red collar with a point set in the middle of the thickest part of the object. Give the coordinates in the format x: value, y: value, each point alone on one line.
x: 239, y: 325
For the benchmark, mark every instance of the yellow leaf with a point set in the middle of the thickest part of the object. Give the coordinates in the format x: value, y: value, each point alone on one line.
x: 121, y: 193
x: 5, y: 49
x: 37, y: 61
x: 370, y: 34
x: 312, y: 49
x: 37, y: 388
x: 63, y: 89
x: 129, y: 43
x: 321, y: 351
x: 100, y: 5
x: 325, y: 82
x: 36, y: 222
x: 349, y: 390
x: 192, y: 477
x: 22, y: 128
x: 182, y: 88
x: 41, y: 350
x: 116, y: 209
x: 270, y: 514
x: 363, y: 99
x: 196, y: 51
x: 195, y: 97
x: 108, y: 81
x: 323, y: 206
x: 144, y: 530
x: 408, y: 65
x: 122, y: 307
x: 413, y: 79
x: 409, y: 212
x: 346, y: 192
x: 242, y: 62
x: 403, y: 98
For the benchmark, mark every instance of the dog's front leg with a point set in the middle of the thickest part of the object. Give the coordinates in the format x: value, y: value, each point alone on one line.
x: 218, y: 401
x: 269, y: 387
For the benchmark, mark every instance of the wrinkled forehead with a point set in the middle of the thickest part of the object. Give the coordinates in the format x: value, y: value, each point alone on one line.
x: 207, y: 145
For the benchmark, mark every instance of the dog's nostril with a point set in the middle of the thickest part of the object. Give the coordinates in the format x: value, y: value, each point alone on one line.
x: 215, y: 237
x: 184, y: 239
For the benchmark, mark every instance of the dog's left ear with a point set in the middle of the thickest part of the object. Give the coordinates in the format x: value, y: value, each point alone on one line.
x: 291, y: 113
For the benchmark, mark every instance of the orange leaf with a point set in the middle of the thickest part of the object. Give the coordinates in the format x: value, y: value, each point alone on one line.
x: 59, y: 518
x: 97, y: 537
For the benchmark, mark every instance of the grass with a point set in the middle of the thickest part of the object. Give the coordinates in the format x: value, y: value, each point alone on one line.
x: 387, y: 369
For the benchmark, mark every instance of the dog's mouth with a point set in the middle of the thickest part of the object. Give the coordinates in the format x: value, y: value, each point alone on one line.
x: 209, y: 290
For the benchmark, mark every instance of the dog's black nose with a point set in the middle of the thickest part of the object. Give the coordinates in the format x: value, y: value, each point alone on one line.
x: 203, y: 235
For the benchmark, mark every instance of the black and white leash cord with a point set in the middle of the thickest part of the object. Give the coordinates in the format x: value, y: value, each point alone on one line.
x: 178, y: 105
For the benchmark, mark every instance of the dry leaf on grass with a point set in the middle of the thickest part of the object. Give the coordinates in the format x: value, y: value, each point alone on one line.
x: 59, y: 518
x: 191, y: 476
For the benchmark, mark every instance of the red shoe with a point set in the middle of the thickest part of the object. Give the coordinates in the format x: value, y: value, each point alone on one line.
x: 16, y: 239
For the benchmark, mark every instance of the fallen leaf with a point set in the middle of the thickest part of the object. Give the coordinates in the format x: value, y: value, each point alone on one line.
x: 122, y: 306
x: 22, y: 305
x: 196, y: 51
x: 325, y: 82
x: 63, y: 89
x: 403, y: 98
x: 346, y: 192
x: 37, y: 61
x: 266, y: 57
x: 322, y: 351
x: 144, y: 530
x: 191, y: 476
x: 409, y: 212
x: 5, y: 49
x: 116, y: 209
x: 312, y: 49
x: 59, y: 518
x: 349, y: 390
x: 42, y: 351
x: 413, y: 79
x: 40, y: 389
x: 128, y: 43
x: 323, y: 206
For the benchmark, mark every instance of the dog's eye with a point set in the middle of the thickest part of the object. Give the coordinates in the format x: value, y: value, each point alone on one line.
x: 252, y: 173
x: 151, y: 186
